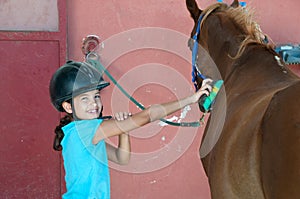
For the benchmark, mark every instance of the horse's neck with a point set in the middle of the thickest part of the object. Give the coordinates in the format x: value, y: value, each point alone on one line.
x: 222, y: 44
x: 221, y: 57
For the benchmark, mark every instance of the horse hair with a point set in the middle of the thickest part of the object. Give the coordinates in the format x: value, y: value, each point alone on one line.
x: 243, y: 17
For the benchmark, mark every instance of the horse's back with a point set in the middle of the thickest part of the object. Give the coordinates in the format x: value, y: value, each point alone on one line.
x: 280, y: 159
x: 256, y: 155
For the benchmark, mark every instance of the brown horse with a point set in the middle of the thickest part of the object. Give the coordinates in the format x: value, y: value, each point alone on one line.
x: 256, y: 155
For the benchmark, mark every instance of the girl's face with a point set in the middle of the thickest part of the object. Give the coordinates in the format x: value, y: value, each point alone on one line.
x: 88, y: 105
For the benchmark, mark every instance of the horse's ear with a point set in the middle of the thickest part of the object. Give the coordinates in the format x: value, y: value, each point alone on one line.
x: 235, y: 4
x: 193, y: 9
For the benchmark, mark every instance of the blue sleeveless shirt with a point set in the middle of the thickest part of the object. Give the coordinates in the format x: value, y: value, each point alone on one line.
x: 86, y: 165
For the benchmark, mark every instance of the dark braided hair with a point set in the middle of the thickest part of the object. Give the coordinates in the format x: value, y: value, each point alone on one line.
x: 59, y: 134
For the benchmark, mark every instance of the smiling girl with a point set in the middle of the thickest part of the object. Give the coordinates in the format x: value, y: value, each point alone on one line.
x: 75, y: 88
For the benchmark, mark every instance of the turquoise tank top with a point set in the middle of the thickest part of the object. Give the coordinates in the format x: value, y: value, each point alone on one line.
x: 86, y: 164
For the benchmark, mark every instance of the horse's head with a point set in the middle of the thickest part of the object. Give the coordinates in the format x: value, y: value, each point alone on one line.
x: 225, y: 31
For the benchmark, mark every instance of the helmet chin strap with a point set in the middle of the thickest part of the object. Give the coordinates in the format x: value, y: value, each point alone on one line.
x: 100, y: 115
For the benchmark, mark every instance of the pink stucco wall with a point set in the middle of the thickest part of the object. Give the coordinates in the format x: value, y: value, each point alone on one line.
x: 29, y: 15
x: 182, y: 176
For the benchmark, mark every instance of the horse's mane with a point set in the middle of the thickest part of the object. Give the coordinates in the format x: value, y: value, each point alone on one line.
x: 244, y: 18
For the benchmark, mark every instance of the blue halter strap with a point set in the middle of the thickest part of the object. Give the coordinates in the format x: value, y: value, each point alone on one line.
x: 195, y: 70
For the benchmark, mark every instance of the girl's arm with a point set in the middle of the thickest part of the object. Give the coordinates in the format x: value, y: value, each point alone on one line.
x: 155, y: 112
x: 120, y: 155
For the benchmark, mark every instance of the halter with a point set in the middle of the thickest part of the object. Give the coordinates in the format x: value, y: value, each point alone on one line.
x: 195, y: 69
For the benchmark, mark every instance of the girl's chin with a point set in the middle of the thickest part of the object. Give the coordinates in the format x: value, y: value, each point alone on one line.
x: 93, y: 115
x: 88, y: 116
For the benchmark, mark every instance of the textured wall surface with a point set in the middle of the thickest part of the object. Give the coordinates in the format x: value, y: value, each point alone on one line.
x: 181, y: 175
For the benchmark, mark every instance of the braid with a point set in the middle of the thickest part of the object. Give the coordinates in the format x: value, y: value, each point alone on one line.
x: 59, y: 134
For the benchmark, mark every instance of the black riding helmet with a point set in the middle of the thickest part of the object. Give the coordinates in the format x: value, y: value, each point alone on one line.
x: 72, y: 79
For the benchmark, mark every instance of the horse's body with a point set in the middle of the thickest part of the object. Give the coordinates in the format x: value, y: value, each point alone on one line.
x: 257, y: 154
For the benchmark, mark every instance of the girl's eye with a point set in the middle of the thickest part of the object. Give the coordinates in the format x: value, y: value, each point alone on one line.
x: 84, y: 99
x: 97, y: 97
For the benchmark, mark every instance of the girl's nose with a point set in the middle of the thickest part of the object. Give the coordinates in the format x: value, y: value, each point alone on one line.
x: 93, y: 103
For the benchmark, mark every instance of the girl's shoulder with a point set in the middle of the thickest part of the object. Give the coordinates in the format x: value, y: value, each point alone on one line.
x: 80, y: 131
x: 82, y: 124
x: 68, y: 127
x: 88, y: 123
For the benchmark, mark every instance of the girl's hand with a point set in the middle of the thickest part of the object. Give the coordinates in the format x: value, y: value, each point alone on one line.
x: 204, y: 90
x: 120, y: 116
